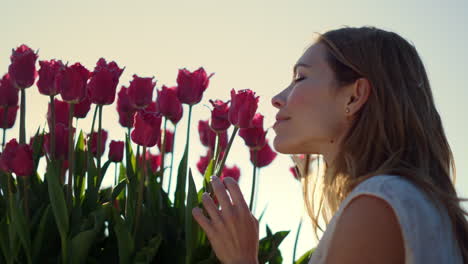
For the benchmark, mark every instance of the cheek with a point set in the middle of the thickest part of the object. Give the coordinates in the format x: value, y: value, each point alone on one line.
x: 316, y: 115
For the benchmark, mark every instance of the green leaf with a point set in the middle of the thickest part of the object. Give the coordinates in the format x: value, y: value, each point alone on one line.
x: 124, y: 239
x: 269, y: 247
x: 208, y: 173
x: 4, y: 240
x: 191, y: 227
x: 118, y: 189
x: 80, y: 166
x: 81, y: 243
x: 59, y: 207
x: 103, y: 172
x: 304, y: 259
x: 37, y: 147
x: 263, y: 213
x: 179, y: 202
x: 22, y: 228
x: 38, y: 239
x: 146, y: 254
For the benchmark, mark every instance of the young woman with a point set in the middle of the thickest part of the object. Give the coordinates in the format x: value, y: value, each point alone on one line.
x: 360, y: 97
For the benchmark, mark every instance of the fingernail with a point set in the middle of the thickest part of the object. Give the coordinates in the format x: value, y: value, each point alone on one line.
x: 214, y: 177
x: 205, y: 194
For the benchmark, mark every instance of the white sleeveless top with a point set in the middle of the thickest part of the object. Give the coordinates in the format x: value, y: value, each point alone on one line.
x: 427, y: 233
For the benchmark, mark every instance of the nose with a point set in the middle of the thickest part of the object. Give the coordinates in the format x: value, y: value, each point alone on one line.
x: 277, y: 101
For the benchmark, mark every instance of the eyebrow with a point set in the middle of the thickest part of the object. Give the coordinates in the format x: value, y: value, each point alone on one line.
x: 300, y: 64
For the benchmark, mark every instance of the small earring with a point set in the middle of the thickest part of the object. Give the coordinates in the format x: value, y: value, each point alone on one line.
x: 347, y: 110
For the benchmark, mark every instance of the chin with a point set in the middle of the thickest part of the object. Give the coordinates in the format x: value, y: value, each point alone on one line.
x: 284, y: 147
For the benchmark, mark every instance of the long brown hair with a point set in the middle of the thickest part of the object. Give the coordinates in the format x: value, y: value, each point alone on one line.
x: 399, y: 116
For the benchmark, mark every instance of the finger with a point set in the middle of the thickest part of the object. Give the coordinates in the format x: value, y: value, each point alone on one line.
x: 236, y: 193
x: 211, y: 208
x: 221, y: 193
x: 203, y: 221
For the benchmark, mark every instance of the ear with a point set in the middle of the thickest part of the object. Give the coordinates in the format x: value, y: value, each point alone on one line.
x: 359, y: 93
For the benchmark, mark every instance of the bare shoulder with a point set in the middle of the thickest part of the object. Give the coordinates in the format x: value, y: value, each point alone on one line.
x: 367, y: 232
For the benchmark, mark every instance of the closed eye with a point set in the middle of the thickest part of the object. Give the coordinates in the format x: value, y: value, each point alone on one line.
x: 299, y: 79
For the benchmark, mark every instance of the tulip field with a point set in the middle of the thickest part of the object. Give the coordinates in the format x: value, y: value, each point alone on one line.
x: 63, y: 214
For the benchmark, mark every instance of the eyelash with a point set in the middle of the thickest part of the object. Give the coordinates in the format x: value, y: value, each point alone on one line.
x: 299, y: 79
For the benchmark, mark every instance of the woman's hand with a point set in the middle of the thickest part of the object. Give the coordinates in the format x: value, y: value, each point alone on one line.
x: 232, y: 230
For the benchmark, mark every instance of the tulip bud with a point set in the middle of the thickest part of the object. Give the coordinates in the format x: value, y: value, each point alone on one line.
x: 169, y: 104
x: 82, y: 108
x: 103, y: 82
x: 192, y: 85
x: 116, y: 149
x: 243, y: 107
x: 293, y: 170
x: 169, y: 141
x: 93, y: 142
x: 61, y: 141
x: 154, y: 161
x: 11, y: 117
x: 47, y: 76
x: 147, y: 127
x: 264, y: 156
x: 31, y: 144
x: 140, y: 91
x: 233, y: 172
x: 17, y: 158
x: 204, y: 161
x: 208, y: 136
x: 71, y: 82
x: 219, y: 116
x: 254, y: 136
x: 22, y: 69
x: 9, y: 93
x: 61, y: 113
x: 124, y: 108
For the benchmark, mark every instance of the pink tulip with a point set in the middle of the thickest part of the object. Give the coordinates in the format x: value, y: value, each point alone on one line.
x: 17, y: 158
x: 103, y: 82
x: 191, y: 85
x: 219, y: 116
x: 140, y: 91
x: 47, y: 76
x: 169, y: 104
x: 264, y: 156
x: 8, y: 92
x: 22, y: 69
x: 147, y: 127
x: 243, y: 107
x: 71, y: 82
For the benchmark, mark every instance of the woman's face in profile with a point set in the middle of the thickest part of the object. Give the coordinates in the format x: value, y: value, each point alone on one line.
x: 315, y: 113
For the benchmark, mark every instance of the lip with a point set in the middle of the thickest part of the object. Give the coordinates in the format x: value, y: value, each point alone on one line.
x: 279, y: 122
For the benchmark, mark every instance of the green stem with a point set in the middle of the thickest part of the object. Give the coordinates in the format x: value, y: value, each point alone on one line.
x: 140, y: 193
x: 297, y: 239
x: 163, y: 151
x: 52, y: 128
x: 172, y: 161
x: 116, y: 181
x: 221, y: 166
x: 94, y: 118
x: 26, y: 203
x: 253, y: 180
x: 257, y: 190
x: 218, y: 147
x: 23, y: 118
x: 70, y: 154
x: 188, y: 142
x: 99, y: 143
x: 5, y: 124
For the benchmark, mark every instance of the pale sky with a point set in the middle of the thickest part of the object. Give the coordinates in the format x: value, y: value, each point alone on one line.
x: 248, y: 44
